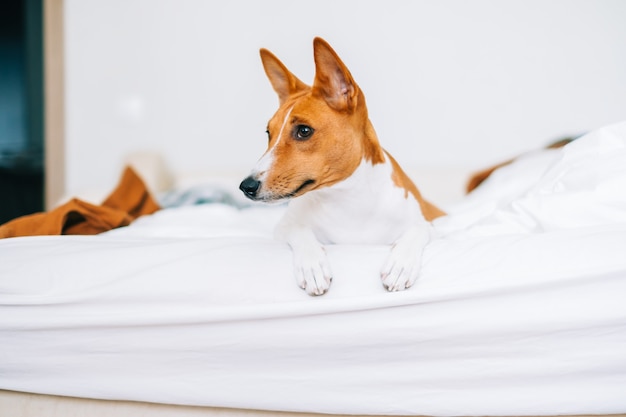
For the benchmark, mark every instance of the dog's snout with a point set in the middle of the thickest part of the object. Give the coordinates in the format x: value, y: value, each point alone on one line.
x: 250, y: 186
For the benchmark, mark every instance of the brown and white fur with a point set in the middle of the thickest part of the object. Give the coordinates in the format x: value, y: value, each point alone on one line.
x: 323, y: 155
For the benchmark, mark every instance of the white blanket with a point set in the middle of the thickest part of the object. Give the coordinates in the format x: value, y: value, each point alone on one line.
x: 520, y: 307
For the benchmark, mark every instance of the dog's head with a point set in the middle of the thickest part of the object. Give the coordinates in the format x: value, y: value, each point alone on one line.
x: 319, y: 134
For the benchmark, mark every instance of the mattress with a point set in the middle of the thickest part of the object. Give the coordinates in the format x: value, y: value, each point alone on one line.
x: 519, y: 309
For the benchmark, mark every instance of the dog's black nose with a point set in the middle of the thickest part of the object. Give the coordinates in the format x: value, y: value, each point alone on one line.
x: 250, y: 186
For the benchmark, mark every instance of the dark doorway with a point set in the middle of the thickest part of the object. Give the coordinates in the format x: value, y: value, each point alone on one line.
x: 21, y: 108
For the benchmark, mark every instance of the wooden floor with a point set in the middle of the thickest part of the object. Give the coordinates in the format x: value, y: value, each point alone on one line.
x: 17, y: 404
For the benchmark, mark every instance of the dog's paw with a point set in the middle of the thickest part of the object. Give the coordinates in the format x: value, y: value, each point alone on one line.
x: 312, y: 271
x: 404, y: 262
x: 401, y: 269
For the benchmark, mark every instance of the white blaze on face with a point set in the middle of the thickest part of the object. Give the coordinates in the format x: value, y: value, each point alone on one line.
x: 262, y: 167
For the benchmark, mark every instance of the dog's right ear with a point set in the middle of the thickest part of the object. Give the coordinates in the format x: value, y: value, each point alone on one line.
x: 283, y: 81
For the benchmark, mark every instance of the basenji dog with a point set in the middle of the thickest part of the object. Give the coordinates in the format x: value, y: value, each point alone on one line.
x: 324, y: 157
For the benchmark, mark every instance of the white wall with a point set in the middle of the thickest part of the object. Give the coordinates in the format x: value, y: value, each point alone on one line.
x: 448, y: 83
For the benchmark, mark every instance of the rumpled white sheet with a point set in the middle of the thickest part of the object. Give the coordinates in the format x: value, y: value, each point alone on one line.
x: 519, y: 309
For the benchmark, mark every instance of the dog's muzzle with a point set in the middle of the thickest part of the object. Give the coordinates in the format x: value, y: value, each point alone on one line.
x: 250, y: 187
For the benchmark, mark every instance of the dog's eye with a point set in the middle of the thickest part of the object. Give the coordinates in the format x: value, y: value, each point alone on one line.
x: 303, y: 132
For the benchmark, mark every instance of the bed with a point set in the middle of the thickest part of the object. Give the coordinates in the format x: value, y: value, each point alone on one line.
x: 520, y: 308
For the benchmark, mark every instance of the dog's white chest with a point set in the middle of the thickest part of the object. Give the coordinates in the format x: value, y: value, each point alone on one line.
x: 366, y: 208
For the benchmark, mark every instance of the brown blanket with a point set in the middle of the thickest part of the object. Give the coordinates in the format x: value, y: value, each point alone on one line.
x: 479, y: 177
x: 128, y: 201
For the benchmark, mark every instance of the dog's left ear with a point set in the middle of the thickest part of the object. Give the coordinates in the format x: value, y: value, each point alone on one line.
x: 333, y: 81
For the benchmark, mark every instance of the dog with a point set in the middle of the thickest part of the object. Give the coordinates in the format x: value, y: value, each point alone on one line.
x: 323, y: 156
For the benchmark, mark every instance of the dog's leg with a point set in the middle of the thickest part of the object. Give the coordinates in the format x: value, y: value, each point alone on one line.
x: 311, y: 267
x: 404, y: 262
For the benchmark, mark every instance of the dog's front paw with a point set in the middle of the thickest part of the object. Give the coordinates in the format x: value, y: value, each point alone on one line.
x: 401, y: 270
x: 312, y: 271
x: 404, y: 262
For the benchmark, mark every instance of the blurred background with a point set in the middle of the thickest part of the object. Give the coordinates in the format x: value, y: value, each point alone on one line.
x: 450, y: 84
x: 21, y: 108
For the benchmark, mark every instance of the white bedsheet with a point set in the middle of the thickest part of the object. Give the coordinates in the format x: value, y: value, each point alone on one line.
x: 520, y: 308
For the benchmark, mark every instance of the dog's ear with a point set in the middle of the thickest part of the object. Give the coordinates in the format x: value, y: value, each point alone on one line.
x: 282, y: 80
x: 333, y: 81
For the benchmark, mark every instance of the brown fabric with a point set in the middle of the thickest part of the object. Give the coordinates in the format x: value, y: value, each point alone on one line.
x: 128, y: 201
x: 479, y: 177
